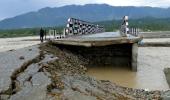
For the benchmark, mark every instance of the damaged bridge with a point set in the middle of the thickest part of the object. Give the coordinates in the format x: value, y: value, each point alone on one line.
x: 99, y: 47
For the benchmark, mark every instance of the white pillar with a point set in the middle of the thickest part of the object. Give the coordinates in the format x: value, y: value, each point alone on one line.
x: 134, y: 56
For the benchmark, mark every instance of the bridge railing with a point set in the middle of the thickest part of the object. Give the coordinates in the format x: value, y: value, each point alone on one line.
x: 79, y: 27
x: 134, y: 31
x: 54, y: 34
x: 125, y: 30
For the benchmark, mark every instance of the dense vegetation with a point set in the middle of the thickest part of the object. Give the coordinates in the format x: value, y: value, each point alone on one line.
x: 146, y: 24
x: 24, y: 32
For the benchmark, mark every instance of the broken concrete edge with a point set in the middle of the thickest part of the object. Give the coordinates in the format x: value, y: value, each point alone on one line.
x: 152, y: 44
x: 12, y: 87
x: 102, y: 42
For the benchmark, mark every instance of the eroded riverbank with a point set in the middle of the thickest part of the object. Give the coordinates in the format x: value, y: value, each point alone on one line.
x: 75, y: 84
x: 69, y: 80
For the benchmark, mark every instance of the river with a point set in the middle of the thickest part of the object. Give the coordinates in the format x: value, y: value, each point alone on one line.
x: 17, y: 42
x: 150, y: 75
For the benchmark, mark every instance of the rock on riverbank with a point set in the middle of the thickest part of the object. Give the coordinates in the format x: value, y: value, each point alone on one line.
x: 10, y: 62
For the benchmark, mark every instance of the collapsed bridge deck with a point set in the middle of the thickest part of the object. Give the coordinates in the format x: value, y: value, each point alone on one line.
x: 121, y: 50
x: 99, y: 39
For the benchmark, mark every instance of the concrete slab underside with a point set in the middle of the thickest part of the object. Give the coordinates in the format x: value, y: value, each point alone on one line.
x: 104, y: 48
x: 118, y: 55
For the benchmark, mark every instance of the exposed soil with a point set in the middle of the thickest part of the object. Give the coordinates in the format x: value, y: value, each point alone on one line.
x: 68, y: 75
x: 69, y: 80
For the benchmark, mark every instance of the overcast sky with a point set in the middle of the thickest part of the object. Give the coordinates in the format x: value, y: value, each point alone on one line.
x: 11, y: 8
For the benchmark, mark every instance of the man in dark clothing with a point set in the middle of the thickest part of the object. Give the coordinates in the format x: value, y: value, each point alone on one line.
x: 41, y: 35
x: 45, y: 33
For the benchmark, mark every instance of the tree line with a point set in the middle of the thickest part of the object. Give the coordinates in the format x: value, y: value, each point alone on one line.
x: 145, y: 24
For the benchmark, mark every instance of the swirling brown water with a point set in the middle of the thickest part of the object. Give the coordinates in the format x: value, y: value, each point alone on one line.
x: 150, y: 75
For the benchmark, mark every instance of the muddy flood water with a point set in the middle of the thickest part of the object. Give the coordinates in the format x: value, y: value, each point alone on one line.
x: 150, y: 75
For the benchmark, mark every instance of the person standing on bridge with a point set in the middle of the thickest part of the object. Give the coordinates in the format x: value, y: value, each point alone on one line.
x: 41, y: 35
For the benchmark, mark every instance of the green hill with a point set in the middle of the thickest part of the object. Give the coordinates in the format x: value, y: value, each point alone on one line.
x: 146, y: 24
x: 58, y: 16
